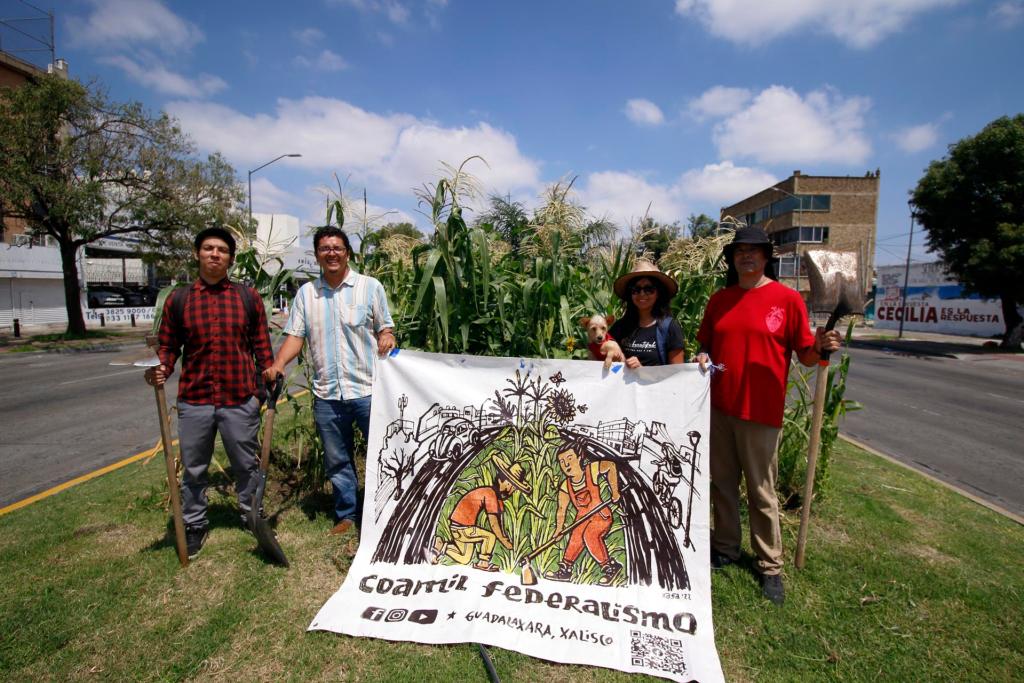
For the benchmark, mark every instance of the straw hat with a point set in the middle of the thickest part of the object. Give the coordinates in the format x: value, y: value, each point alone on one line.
x: 514, y: 473
x: 644, y: 269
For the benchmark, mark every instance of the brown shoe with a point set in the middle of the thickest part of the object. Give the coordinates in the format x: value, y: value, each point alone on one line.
x: 342, y: 527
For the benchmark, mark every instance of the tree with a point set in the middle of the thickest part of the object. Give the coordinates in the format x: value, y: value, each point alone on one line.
x: 655, y: 237
x: 701, y: 226
x: 508, y: 218
x: 79, y: 167
x: 391, y: 229
x: 971, y: 203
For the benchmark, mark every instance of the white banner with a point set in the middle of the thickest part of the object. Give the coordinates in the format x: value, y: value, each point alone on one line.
x: 549, y: 507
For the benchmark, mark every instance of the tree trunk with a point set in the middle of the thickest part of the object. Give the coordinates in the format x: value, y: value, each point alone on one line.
x: 1014, y: 323
x: 72, y: 292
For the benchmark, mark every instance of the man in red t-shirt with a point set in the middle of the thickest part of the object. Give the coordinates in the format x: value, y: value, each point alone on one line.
x: 752, y: 328
x: 467, y: 535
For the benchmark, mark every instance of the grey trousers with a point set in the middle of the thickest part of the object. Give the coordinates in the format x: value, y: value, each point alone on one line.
x: 197, y: 426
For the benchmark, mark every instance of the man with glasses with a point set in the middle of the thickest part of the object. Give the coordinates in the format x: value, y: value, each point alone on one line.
x: 344, y: 317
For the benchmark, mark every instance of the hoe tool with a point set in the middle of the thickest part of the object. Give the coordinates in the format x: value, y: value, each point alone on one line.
x: 835, y: 287
x: 165, y: 438
x: 257, y: 523
x: 528, y: 577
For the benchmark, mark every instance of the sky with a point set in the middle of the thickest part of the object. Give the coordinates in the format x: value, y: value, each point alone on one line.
x: 675, y: 107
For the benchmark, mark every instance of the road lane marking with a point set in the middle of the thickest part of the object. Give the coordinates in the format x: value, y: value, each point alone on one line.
x: 150, y: 452
x: 85, y: 477
x: 89, y: 379
x: 1005, y: 398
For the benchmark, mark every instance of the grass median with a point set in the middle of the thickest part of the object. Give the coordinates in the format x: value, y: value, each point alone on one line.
x: 905, y: 580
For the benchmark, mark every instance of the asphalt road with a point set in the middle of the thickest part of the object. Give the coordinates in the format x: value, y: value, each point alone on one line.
x: 961, y: 421
x: 64, y: 415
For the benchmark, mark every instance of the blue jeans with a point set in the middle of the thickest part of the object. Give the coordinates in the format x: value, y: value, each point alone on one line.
x: 334, y: 421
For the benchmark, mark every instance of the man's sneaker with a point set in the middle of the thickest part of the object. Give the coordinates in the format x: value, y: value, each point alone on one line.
x: 609, y: 571
x: 195, y: 537
x: 772, y: 588
x: 719, y: 561
x: 563, y: 573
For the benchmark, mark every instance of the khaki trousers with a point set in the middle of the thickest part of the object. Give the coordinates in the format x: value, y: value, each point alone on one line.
x: 741, y: 447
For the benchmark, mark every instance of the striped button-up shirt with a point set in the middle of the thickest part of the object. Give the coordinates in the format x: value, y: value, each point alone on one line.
x: 340, y: 326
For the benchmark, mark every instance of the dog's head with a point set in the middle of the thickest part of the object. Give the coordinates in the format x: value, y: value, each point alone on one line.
x: 597, y: 327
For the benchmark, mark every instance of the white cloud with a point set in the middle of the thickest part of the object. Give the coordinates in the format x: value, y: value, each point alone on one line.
x: 780, y: 126
x: 624, y: 197
x: 858, y: 23
x: 154, y: 75
x: 396, y: 12
x: 724, y: 183
x: 308, y: 36
x: 644, y: 112
x: 917, y: 138
x: 125, y: 23
x: 269, y: 198
x: 1008, y: 14
x: 718, y: 101
x: 327, y: 60
x: 396, y: 151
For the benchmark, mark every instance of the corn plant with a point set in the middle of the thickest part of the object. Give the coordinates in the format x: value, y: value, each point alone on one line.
x: 797, y: 422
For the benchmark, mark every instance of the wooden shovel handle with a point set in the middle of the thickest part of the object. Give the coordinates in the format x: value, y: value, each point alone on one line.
x: 172, y: 476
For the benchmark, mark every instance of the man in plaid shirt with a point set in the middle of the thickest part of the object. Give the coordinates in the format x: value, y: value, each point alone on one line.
x: 218, y: 343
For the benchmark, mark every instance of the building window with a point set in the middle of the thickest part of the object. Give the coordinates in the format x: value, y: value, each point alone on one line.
x: 805, y: 234
x: 801, y: 202
x: 787, y: 264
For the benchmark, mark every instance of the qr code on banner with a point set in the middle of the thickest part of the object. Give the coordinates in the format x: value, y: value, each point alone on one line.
x: 656, y: 652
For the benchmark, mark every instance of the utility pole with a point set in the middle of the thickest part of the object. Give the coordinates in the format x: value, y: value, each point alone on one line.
x: 906, y: 272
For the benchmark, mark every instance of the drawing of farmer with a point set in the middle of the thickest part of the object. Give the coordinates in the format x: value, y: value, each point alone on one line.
x: 466, y: 534
x: 581, y: 489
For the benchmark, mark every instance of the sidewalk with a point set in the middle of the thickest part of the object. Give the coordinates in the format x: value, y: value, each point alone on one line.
x: 931, y: 344
x: 40, y: 337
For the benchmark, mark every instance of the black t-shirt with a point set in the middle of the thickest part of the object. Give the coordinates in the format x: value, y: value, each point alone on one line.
x: 643, y: 342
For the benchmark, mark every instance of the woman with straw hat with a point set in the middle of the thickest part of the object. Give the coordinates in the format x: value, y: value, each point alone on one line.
x: 647, y: 332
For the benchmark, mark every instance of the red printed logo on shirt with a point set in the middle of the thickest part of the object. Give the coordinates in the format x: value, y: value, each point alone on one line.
x: 774, y: 319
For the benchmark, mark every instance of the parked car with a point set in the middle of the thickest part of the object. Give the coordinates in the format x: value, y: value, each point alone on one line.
x: 148, y: 292
x: 100, y: 296
x: 133, y: 297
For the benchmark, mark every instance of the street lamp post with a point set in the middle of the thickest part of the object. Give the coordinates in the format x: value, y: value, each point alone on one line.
x: 800, y: 220
x: 258, y: 168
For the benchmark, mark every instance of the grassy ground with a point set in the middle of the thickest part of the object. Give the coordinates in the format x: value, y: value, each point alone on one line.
x: 905, y: 581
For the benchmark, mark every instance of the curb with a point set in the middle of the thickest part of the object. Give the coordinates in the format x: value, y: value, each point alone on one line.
x: 966, y: 494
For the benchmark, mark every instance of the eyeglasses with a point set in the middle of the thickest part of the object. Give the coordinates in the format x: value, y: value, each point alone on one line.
x: 644, y: 289
x: 332, y: 250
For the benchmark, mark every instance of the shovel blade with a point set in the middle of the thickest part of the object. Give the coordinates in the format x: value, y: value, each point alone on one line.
x: 265, y: 537
x: 835, y: 280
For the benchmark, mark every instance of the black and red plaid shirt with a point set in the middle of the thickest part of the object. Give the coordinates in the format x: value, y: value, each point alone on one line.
x: 219, y: 344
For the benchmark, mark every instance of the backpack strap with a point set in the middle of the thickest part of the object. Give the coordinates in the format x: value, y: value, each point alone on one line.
x: 661, y: 338
x: 248, y: 296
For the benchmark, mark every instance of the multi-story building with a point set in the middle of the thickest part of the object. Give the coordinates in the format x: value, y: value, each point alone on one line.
x: 804, y: 211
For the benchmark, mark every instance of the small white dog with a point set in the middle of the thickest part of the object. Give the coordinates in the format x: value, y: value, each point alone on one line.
x: 601, y: 345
